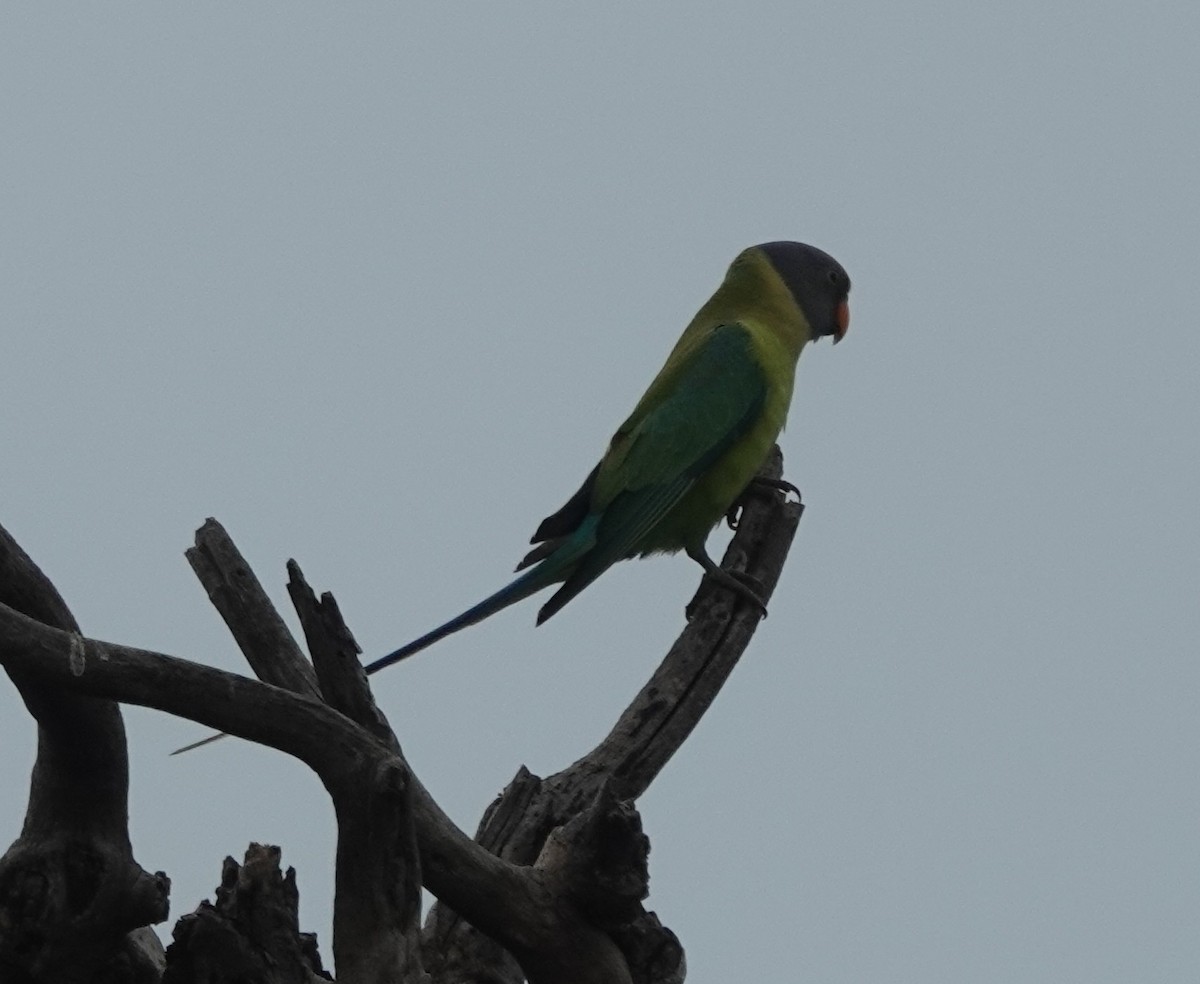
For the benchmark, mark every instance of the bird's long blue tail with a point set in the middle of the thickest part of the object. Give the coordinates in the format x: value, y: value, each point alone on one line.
x: 551, y: 570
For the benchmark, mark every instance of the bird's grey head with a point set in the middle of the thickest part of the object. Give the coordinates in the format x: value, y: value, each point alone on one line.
x: 817, y: 282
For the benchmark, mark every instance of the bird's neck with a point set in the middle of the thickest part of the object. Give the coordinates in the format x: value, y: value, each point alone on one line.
x: 753, y: 290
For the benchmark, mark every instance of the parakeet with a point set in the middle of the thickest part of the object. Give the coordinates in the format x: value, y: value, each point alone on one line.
x: 694, y: 441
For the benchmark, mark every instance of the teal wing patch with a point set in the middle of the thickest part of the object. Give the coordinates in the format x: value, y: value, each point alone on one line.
x: 717, y: 396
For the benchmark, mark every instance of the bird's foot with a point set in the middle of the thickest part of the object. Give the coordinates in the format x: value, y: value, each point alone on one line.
x: 778, y: 484
x: 758, y: 483
x: 734, y: 514
x: 739, y: 582
x: 744, y: 585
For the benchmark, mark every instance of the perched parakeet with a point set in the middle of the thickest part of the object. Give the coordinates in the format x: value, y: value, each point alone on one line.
x: 694, y: 441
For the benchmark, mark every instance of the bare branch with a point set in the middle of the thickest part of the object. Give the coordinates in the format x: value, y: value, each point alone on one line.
x: 70, y: 889
x: 261, y: 634
x: 646, y: 735
x: 377, y: 900
x: 335, y: 657
x: 508, y: 901
x: 664, y: 712
x: 559, y: 874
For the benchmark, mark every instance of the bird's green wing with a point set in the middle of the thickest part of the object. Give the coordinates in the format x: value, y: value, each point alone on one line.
x: 695, y: 412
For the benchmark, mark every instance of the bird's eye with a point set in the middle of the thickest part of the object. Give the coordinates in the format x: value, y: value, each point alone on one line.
x: 834, y: 277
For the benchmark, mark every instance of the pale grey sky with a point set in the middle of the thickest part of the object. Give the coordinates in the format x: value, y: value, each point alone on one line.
x: 373, y: 284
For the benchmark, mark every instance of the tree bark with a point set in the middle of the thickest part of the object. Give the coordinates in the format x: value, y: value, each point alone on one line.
x: 646, y: 735
x: 551, y: 890
x: 251, y: 933
x: 70, y: 891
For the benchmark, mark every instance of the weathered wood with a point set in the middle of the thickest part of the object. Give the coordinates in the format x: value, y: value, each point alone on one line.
x: 377, y: 885
x: 650, y: 730
x: 506, y: 900
x: 661, y: 717
x: 335, y: 657
x: 558, y: 875
x: 239, y: 598
x: 251, y: 933
x: 70, y: 890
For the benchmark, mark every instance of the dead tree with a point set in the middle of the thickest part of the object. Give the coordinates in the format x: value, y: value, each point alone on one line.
x: 550, y: 890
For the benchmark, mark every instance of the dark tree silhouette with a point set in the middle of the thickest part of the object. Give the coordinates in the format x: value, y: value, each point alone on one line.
x: 550, y: 890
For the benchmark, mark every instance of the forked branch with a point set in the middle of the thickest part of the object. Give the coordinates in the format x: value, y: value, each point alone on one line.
x: 559, y: 870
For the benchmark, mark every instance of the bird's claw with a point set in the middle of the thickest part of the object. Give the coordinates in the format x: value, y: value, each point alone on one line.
x: 777, y: 484
x: 749, y: 587
x: 733, y: 515
x: 745, y: 586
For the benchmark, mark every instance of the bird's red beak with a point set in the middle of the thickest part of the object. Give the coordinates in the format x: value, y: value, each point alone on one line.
x: 843, y: 322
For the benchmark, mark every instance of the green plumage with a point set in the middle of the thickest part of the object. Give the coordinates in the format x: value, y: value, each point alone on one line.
x: 695, y: 439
